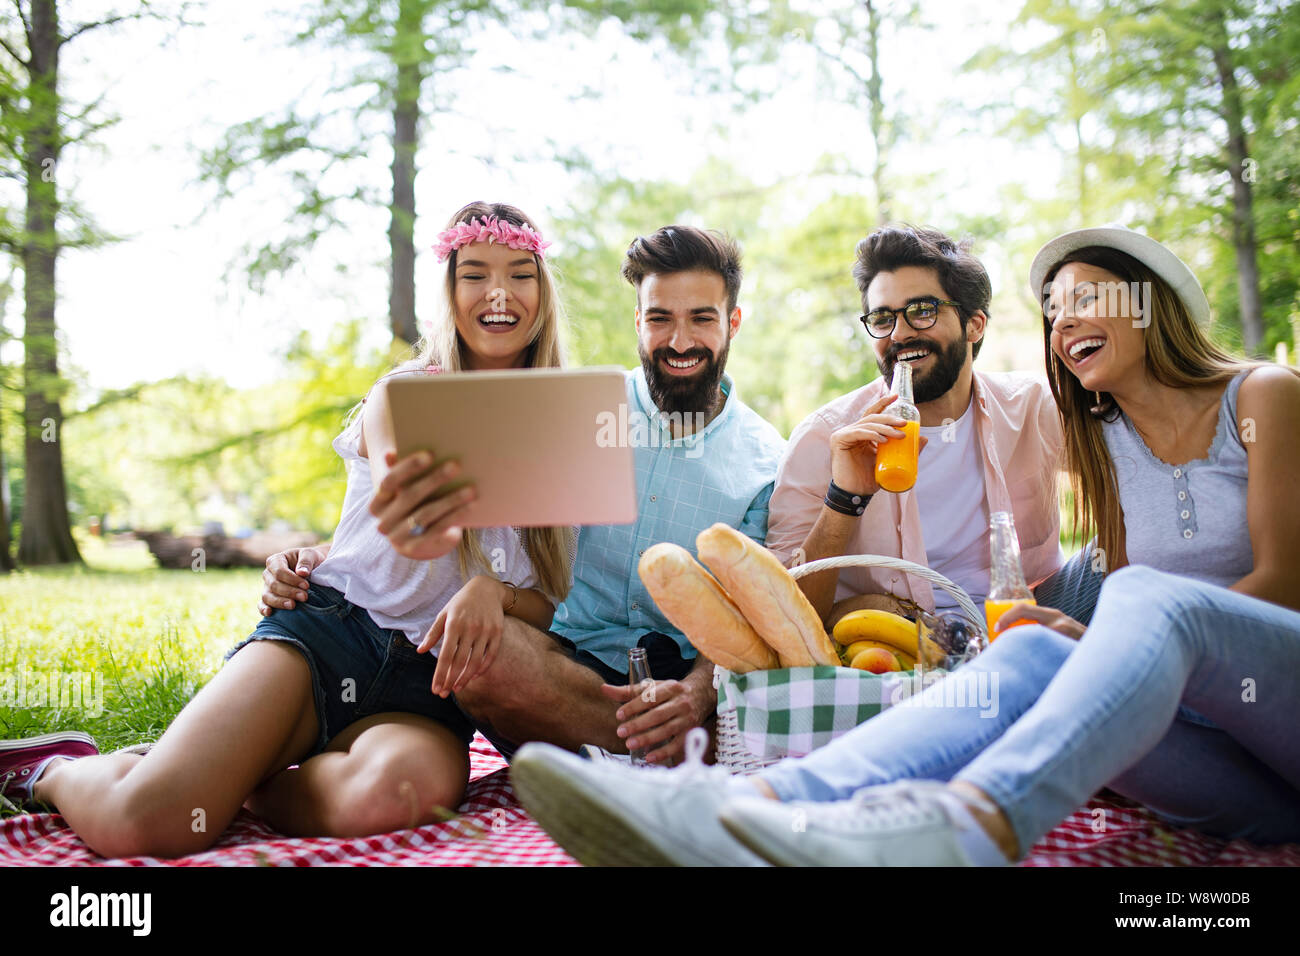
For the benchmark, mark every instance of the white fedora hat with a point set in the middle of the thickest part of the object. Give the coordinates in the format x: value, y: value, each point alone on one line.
x: 1142, y: 248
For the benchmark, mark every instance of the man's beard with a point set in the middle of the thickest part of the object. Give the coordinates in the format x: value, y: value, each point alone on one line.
x: 689, y: 394
x: 938, y: 380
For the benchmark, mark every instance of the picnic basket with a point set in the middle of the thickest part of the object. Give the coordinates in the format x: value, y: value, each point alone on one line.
x: 791, y: 711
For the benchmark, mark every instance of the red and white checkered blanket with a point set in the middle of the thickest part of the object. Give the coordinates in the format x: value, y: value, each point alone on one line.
x: 493, y: 830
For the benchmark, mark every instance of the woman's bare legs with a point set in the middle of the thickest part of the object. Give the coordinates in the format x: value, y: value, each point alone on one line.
x: 384, y: 772
x: 257, y: 716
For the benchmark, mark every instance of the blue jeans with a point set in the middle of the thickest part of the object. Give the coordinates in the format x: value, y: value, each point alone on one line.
x: 1073, y: 589
x: 1045, y: 722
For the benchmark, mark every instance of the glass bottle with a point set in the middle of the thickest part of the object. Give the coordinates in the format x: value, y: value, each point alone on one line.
x: 638, y: 672
x: 896, y: 458
x: 1006, y: 577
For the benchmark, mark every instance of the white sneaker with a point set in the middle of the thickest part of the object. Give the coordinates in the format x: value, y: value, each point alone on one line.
x: 596, y: 753
x: 608, y: 814
x: 908, y: 823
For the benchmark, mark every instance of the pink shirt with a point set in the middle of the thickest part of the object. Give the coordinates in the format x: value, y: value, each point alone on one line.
x: 1018, y: 430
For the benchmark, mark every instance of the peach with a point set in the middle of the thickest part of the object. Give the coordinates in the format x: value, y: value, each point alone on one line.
x: 875, y: 659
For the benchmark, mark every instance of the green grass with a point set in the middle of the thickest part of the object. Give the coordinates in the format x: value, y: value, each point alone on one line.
x: 149, y: 637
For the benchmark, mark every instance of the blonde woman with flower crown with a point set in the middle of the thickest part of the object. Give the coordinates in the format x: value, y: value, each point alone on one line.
x: 337, y: 685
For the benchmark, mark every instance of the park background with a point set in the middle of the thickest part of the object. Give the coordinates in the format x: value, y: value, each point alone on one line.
x: 216, y: 219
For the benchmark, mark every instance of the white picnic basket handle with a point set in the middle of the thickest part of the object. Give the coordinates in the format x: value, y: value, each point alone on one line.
x: 896, y: 564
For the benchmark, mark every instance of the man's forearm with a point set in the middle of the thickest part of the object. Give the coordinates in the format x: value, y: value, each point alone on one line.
x: 700, y: 681
x: 829, y: 538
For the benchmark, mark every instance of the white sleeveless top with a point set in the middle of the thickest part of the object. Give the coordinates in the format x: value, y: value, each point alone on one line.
x: 400, y: 593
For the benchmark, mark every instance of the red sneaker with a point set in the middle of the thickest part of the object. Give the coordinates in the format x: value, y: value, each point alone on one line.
x: 22, y: 761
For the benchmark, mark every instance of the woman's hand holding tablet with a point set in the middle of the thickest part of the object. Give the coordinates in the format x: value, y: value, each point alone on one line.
x: 417, y: 511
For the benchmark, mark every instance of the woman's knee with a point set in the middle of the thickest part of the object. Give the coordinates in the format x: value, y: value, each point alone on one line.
x: 150, y: 820
x: 1138, y: 583
x: 398, y: 800
x: 1140, y: 598
x: 397, y: 795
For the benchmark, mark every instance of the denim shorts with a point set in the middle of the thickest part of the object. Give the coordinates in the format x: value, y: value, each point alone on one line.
x: 357, y: 667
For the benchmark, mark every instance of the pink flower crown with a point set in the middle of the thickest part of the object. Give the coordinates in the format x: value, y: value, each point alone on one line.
x: 489, y: 229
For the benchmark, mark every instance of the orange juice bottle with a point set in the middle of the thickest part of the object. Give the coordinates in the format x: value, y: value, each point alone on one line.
x: 993, y: 611
x: 1006, y: 578
x: 896, y: 458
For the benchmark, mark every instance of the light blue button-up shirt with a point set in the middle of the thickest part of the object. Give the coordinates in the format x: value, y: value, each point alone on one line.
x: 724, y: 473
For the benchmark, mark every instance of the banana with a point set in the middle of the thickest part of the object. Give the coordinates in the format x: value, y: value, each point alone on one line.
x: 871, y: 625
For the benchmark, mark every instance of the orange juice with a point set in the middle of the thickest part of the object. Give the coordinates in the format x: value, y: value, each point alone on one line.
x: 1006, y: 578
x: 896, y: 459
x: 995, y: 609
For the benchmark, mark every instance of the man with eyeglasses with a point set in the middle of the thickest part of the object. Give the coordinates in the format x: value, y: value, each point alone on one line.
x: 990, y: 442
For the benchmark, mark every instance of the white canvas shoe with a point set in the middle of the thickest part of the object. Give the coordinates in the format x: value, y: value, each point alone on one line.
x: 607, y: 814
x: 597, y: 753
x: 908, y: 823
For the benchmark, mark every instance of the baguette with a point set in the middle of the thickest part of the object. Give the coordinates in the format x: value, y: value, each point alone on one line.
x: 769, y: 597
x: 700, y: 609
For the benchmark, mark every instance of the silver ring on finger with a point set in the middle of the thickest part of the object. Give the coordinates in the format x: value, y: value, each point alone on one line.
x: 416, y: 529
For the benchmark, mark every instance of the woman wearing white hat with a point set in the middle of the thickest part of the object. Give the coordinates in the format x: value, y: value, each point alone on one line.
x: 1184, y: 693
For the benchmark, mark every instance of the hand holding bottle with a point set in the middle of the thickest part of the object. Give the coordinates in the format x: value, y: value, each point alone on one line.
x: 854, y: 448
x: 1027, y: 612
x: 896, y: 459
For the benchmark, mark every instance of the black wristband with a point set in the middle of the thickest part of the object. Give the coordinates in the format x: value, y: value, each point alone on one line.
x: 837, y: 499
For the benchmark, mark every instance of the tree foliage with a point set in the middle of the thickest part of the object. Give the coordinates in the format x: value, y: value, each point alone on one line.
x: 1178, y: 119
x: 182, y: 452
x: 799, y: 345
x: 407, y: 47
x: 1132, y: 101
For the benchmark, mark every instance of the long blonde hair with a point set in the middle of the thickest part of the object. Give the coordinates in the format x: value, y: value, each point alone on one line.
x: 550, y: 550
x: 1178, y: 354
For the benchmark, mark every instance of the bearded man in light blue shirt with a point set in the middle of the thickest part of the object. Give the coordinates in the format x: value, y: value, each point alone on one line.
x: 702, y: 456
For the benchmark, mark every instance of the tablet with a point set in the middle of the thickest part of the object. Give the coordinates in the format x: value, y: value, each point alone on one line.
x: 531, y: 441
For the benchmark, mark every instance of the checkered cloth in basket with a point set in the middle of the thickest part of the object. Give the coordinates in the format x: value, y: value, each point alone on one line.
x: 793, y: 711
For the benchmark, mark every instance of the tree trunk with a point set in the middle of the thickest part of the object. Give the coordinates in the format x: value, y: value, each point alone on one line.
x: 1243, y: 213
x: 47, y: 535
x: 406, y: 119
x: 6, y: 545
x: 6, y: 541
x: 877, y: 105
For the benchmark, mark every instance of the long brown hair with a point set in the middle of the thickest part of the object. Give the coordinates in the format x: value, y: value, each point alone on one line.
x: 551, y: 550
x: 1178, y: 354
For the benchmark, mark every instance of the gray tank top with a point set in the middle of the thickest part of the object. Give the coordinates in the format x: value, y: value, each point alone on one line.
x: 1186, y: 519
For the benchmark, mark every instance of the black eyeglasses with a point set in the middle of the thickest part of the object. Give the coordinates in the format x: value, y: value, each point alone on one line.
x: 920, y: 314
